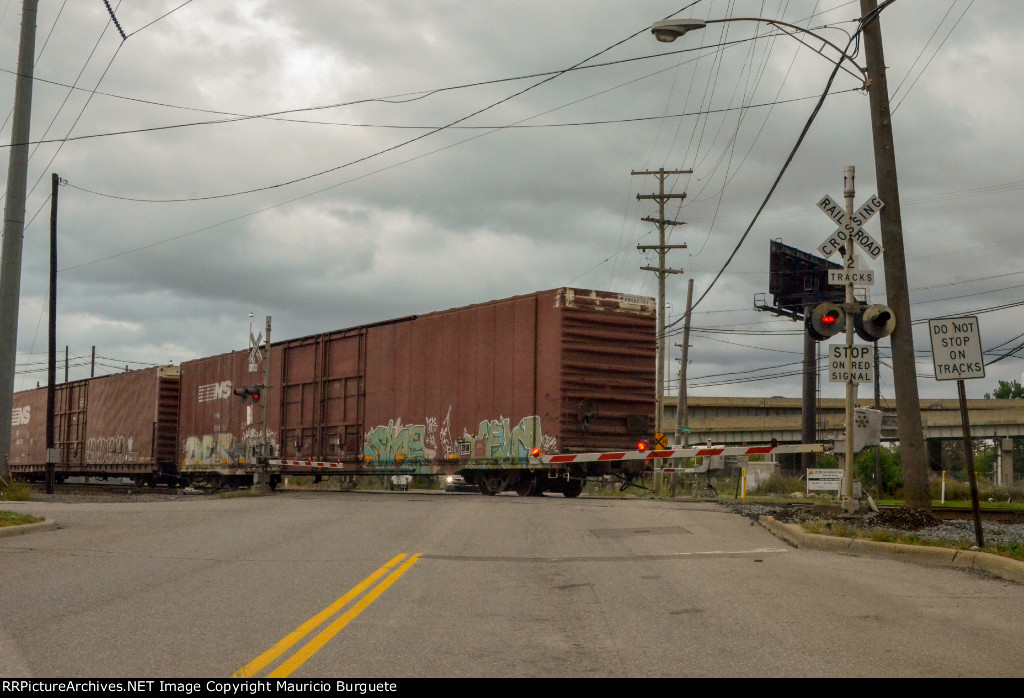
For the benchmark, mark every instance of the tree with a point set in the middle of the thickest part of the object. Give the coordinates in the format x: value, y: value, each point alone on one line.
x: 1007, y: 390
x: 892, y: 470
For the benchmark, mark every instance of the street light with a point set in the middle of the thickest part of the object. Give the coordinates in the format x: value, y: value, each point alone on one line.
x: 908, y: 405
x: 668, y: 30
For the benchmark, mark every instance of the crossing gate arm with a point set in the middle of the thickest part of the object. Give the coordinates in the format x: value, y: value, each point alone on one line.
x: 556, y: 459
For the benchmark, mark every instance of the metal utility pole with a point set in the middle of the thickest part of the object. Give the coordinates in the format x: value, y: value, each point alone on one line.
x: 808, y: 411
x: 849, y: 503
x: 878, y: 448
x: 51, y: 365
x: 904, y: 370
x: 661, y: 198
x: 264, y: 447
x: 682, y: 414
x: 14, y: 226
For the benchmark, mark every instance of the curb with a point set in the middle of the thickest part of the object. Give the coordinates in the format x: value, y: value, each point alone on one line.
x: 995, y: 565
x: 47, y: 525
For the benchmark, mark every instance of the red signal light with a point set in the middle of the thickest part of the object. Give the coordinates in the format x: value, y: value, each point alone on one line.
x: 535, y: 452
x: 642, y: 446
x: 829, y: 319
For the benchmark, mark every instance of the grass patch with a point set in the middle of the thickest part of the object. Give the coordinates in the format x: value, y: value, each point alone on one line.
x: 9, y: 518
x: 844, y: 530
x: 15, y: 491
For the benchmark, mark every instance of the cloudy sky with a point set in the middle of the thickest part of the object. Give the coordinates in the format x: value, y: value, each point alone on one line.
x: 336, y: 163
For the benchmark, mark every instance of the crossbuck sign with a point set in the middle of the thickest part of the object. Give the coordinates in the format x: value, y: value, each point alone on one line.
x: 850, y: 226
x: 255, y: 355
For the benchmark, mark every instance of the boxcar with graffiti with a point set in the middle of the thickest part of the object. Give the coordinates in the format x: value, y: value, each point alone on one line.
x: 471, y: 390
x: 122, y: 425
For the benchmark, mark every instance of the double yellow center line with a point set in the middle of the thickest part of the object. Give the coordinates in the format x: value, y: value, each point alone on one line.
x: 325, y: 635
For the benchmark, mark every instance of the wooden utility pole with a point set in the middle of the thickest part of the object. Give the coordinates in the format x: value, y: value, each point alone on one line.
x: 908, y: 405
x: 681, y: 406
x: 662, y: 271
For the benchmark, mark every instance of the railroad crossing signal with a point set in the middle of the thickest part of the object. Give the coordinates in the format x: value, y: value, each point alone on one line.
x: 249, y: 392
x: 825, y: 320
x: 660, y: 441
x: 850, y: 226
x: 874, y: 322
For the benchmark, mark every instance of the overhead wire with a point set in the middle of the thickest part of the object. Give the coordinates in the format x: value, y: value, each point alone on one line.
x: 402, y: 144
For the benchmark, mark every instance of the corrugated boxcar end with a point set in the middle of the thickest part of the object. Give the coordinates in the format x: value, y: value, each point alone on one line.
x: 609, y: 352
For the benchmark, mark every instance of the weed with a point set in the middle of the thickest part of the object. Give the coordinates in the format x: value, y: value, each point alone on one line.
x: 1013, y: 551
x: 15, y: 491
x: 9, y: 518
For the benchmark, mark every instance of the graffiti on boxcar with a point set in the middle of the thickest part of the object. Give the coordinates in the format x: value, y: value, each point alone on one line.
x: 387, y: 443
x: 495, y: 439
x: 254, y: 437
x: 222, y: 447
x: 210, y: 448
x: 111, y: 449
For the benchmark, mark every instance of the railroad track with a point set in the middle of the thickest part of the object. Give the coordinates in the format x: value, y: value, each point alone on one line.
x: 125, y: 489
x: 1011, y: 516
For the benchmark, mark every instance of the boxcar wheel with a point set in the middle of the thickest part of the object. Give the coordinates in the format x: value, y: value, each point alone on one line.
x: 573, y: 488
x: 526, y: 485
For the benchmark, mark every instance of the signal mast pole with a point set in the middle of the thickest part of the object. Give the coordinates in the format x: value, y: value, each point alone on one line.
x: 848, y: 502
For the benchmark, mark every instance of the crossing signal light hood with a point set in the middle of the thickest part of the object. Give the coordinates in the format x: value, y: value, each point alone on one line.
x: 875, y: 322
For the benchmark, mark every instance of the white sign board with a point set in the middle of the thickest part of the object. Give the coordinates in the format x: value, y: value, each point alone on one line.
x: 824, y: 479
x: 956, y: 348
x: 850, y: 226
x: 857, y: 277
x: 861, y: 361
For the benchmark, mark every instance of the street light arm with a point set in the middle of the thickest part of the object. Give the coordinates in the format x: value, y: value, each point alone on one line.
x: 671, y: 29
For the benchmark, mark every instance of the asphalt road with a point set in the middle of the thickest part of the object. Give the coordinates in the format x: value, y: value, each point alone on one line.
x: 450, y: 585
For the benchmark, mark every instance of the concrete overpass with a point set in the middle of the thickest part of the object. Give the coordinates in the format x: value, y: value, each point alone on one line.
x: 748, y: 420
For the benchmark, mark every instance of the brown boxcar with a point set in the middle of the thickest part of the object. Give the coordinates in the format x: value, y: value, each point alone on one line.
x: 565, y: 370
x: 124, y: 424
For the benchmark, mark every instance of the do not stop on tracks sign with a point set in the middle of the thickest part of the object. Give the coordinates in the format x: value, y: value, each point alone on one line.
x: 956, y: 354
x: 956, y: 348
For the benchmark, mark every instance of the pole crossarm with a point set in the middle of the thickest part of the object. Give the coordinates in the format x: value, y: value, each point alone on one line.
x: 660, y: 197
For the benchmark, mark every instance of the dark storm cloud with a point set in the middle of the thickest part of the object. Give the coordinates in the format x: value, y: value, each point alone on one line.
x: 468, y: 215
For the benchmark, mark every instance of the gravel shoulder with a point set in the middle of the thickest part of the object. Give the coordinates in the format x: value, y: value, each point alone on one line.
x: 898, y: 521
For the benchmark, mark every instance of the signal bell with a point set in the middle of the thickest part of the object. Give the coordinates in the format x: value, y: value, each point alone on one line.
x: 825, y: 320
x: 875, y: 322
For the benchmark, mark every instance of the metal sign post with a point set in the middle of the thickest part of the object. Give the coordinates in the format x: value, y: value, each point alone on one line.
x: 956, y: 355
x: 843, y: 360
